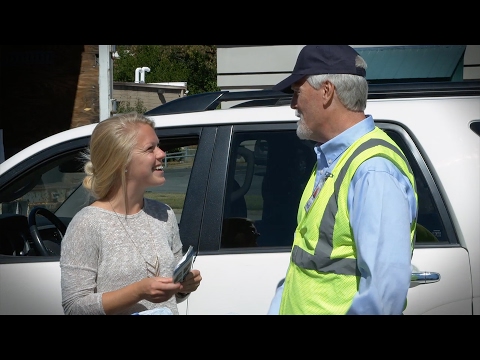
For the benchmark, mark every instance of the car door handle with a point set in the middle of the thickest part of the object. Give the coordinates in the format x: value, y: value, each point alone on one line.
x: 424, y: 277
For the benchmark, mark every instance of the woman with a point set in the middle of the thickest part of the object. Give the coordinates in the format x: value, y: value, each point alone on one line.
x: 119, y: 253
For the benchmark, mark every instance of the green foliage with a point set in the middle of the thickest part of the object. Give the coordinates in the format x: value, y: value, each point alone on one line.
x: 176, y: 201
x: 125, y: 107
x: 194, y: 64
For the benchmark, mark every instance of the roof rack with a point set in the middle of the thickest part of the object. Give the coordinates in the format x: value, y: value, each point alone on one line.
x: 211, y: 100
x: 423, y: 89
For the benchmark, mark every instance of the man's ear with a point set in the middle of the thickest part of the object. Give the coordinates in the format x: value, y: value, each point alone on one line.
x: 328, y: 90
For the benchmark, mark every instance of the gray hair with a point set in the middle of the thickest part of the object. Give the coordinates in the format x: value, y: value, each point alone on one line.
x: 352, y: 90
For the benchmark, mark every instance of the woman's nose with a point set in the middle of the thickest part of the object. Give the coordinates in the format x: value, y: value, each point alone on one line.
x: 160, y: 153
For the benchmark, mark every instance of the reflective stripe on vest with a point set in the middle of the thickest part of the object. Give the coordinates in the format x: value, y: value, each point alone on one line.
x: 321, y: 260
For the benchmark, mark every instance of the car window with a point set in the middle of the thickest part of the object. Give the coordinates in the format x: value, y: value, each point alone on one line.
x: 266, y: 177
x: 178, y: 164
x: 56, y: 186
x: 48, y: 185
x: 55, y: 183
x: 430, y: 225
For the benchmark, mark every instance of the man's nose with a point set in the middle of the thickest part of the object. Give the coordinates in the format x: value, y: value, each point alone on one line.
x: 293, y: 102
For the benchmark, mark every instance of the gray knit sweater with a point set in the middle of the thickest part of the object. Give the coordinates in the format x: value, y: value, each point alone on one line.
x: 99, y: 254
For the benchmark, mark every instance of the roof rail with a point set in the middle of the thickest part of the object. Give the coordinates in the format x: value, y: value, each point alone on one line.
x: 423, y: 89
x: 211, y: 100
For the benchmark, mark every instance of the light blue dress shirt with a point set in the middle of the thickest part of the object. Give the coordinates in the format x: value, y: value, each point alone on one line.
x: 382, y: 205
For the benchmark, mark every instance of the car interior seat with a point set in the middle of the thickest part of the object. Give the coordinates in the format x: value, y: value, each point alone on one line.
x: 237, y: 229
x: 234, y: 207
x: 289, y: 165
x: 239, y: 232
x: 235, y: 204
x: 14, y: 235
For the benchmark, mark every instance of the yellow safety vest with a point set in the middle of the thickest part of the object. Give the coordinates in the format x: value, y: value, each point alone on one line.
x: 323, y: 277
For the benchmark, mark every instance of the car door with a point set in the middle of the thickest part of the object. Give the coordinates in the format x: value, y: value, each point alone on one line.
x: 250, y: 215
x: 257, y: 175
x: 441, y: 276
x: 30, y: 283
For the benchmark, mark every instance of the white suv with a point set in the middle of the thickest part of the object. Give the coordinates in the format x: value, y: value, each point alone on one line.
x: 234, y: 178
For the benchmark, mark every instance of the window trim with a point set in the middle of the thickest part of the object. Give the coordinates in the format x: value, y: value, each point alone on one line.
x: 431, y: 179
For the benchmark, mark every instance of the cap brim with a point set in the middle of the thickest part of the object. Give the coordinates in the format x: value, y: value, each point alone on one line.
x: 285, y: 84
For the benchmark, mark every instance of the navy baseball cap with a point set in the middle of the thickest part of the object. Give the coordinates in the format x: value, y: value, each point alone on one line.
x: 322, y: 59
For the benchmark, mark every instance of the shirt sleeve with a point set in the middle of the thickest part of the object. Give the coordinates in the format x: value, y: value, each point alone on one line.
x: 275, y: 303
x: 78, y: 263
x: 382, y: 205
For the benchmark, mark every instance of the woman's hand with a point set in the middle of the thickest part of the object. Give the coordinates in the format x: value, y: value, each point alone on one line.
x: 158, y: 289
x: 155, y: 290
x: 191, y: 282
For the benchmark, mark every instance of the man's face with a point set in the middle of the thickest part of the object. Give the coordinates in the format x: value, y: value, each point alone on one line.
x: 306, y: 102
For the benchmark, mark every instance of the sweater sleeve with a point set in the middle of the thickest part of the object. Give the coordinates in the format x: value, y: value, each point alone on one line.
x: 78, y: 263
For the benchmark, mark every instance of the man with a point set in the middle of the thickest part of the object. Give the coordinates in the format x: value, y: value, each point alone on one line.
x: 356, y: 219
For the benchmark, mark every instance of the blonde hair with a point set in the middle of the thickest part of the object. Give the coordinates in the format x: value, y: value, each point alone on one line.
x: 110, y: 152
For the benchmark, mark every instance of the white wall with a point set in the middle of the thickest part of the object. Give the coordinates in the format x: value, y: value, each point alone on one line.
x: 471, y: 62
x: 251, y: 67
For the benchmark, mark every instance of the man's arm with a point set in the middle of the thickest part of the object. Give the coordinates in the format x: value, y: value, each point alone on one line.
x: 381, y: 205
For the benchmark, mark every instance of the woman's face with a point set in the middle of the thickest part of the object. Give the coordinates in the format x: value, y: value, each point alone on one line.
x: 146, y: 165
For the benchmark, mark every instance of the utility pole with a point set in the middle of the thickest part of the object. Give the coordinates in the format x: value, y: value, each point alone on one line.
x: 105, y: 81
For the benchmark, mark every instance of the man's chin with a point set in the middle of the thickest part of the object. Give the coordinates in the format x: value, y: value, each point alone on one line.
x: 304, y: 134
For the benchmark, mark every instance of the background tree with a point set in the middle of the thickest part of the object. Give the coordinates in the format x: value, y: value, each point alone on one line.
x: 126, y: 106
x: 194, y: 64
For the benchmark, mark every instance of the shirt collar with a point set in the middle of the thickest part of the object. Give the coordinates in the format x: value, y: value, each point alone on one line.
x: 329, y: 152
